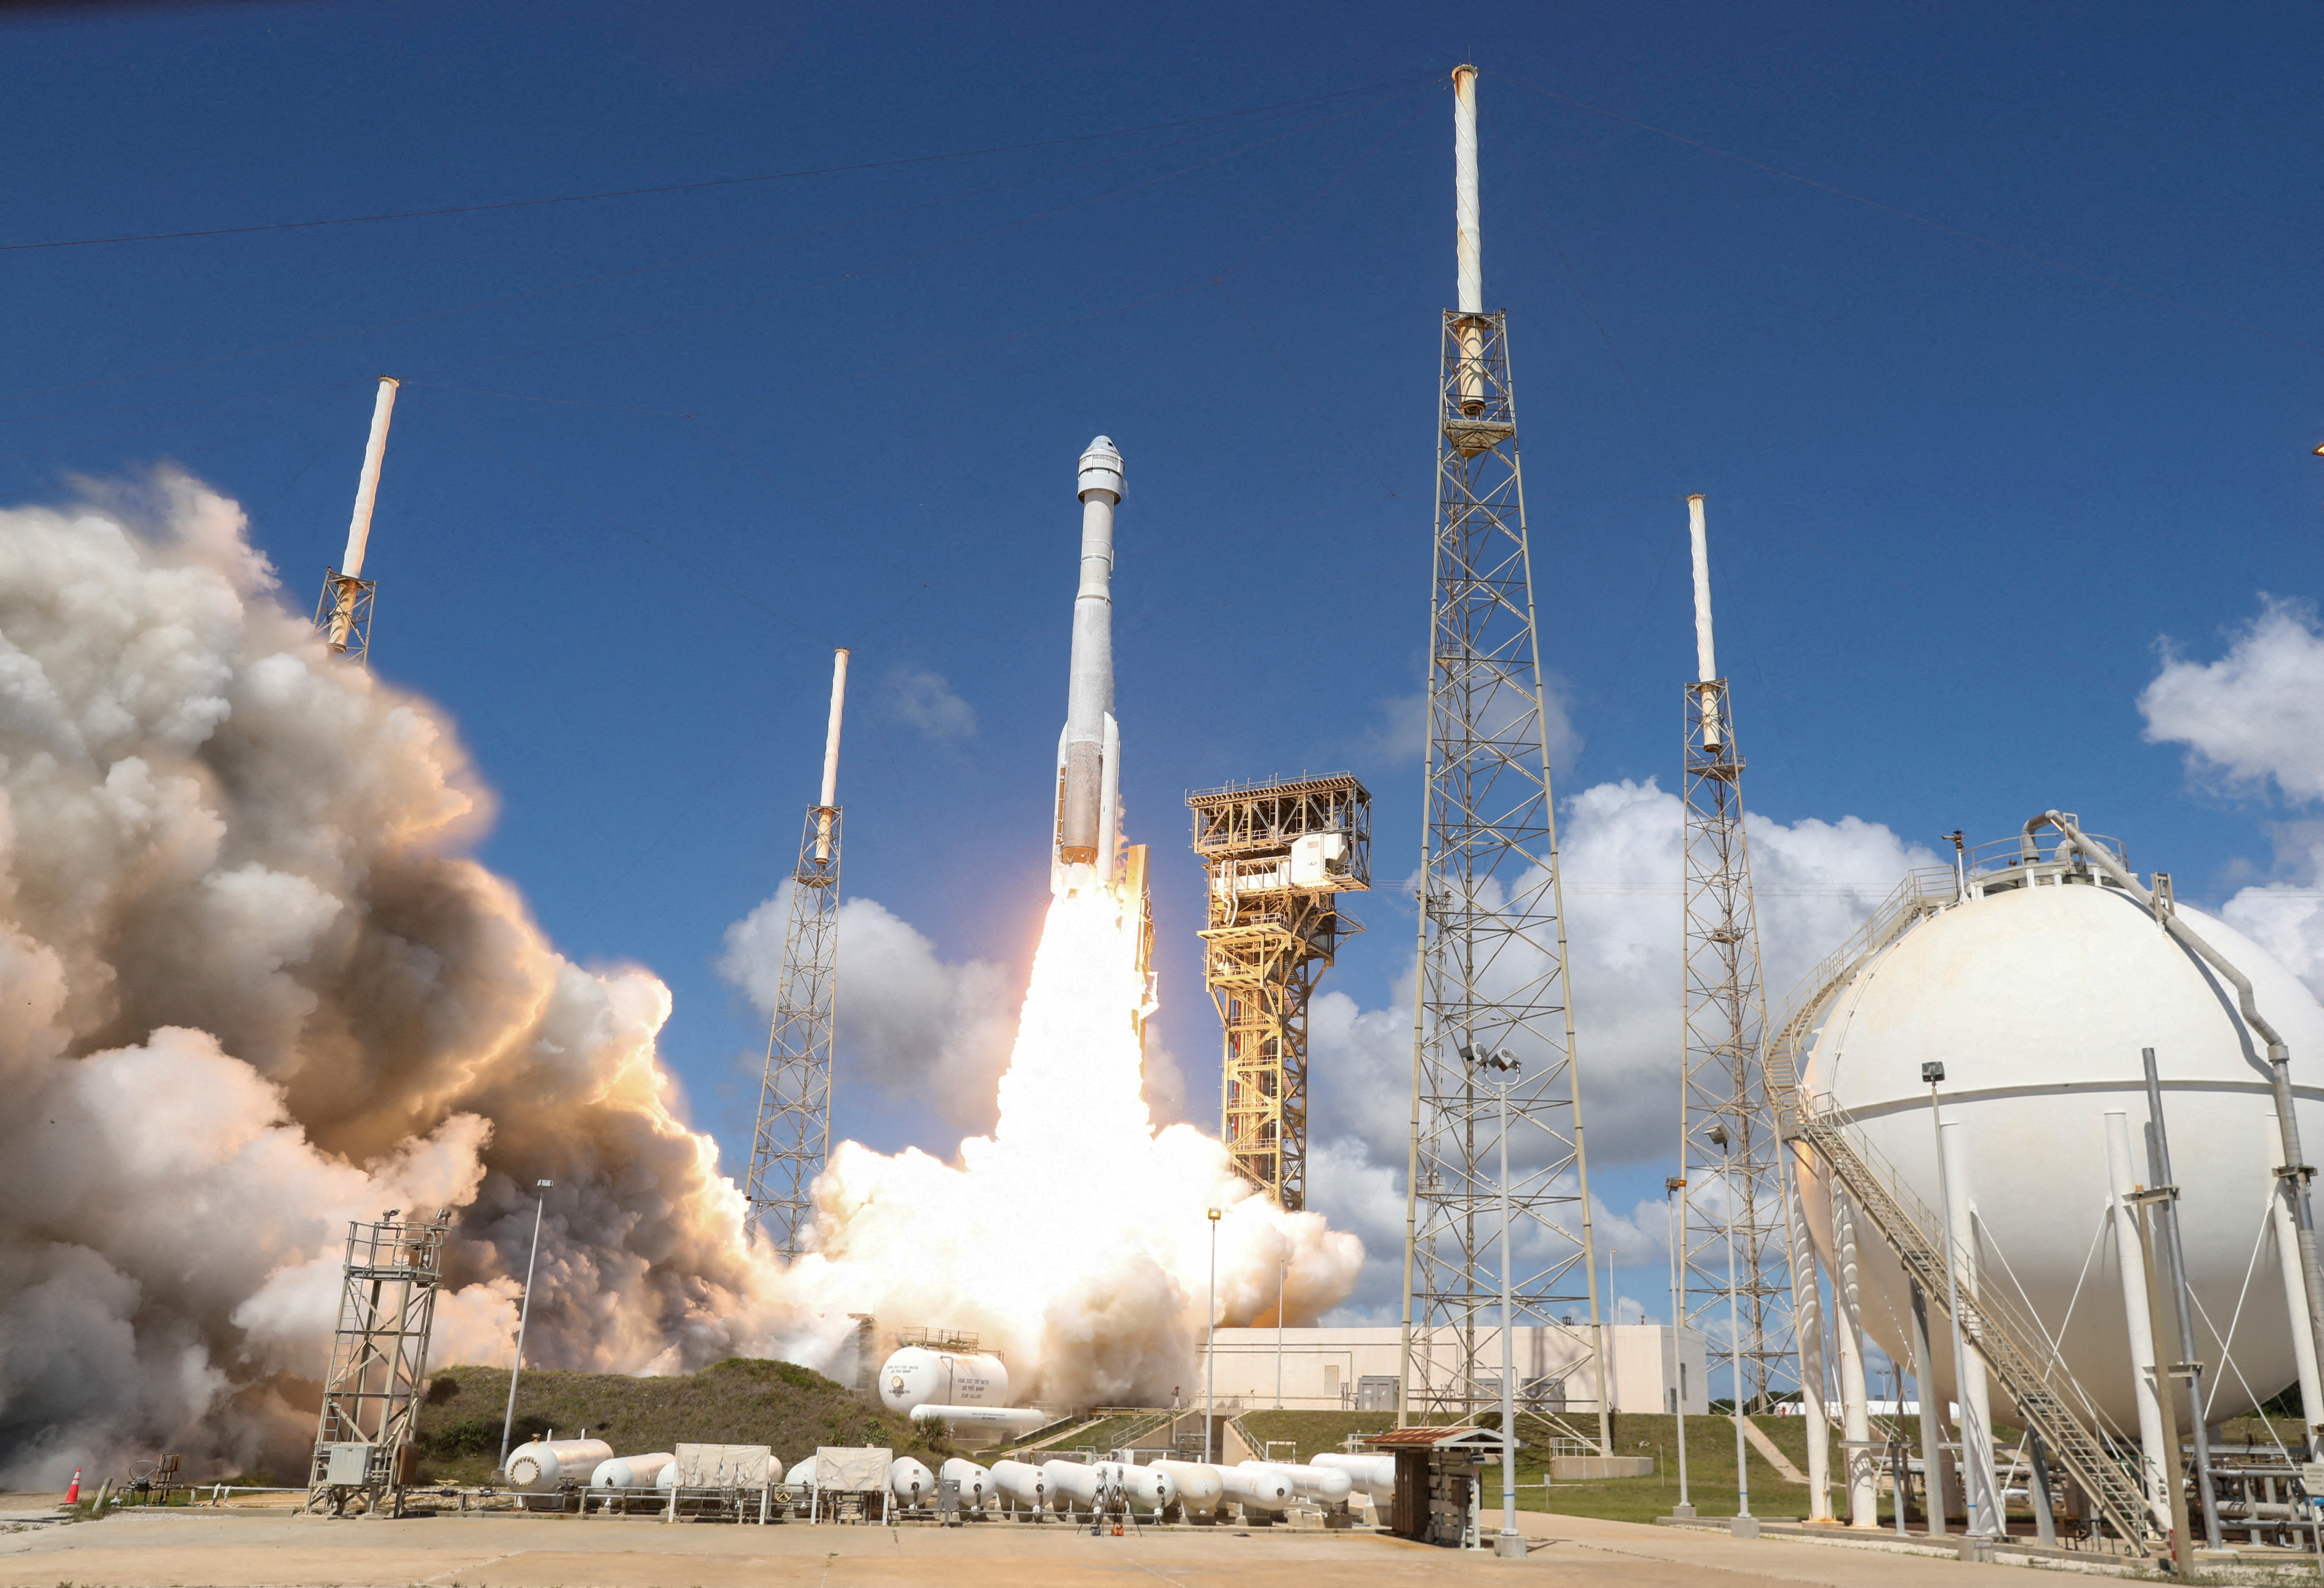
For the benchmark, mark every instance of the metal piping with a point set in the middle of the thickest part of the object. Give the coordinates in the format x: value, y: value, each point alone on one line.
x: 367, y: 483
x: 2294, y: 1172
x: 830, y: 802
x: 1467, y: 242
x: 1706, y: 657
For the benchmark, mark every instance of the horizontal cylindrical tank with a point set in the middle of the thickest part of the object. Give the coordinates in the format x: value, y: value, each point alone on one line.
x: 1197, y: 1482
x: 1324, y: 1484
x: 667, y: 1477
x: 2037, y: 995
x: 1147, y: 1489
x: 1374, y: 1475
x: 1020, y: 1484
x: 540, y: 1466
x: 1016, y: 1420
x: 801, y: 1476
x: 630, y: 1472
x: 976, y: 1485
x: 911, y: 1483
x: 1072, y: 1484
x: 1257, y: 1487
x: 919, y: 1375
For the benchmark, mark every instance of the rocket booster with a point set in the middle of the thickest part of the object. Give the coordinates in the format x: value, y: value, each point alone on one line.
x: 1089, y: 751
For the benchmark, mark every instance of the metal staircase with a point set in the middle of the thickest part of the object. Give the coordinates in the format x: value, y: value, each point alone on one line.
x: 2016, y: 1348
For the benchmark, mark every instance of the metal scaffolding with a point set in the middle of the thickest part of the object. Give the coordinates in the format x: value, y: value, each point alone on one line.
x: 793, y: 1137
x: 379, y: 1363
x: 1491, y: 939
x: 1276, y: 857
x: 342, y: 614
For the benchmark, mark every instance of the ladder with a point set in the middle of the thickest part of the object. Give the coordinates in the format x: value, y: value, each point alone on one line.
x: 2016, y: 1349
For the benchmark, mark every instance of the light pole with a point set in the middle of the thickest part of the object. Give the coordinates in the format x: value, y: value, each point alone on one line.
x: 1979, y: 1484
x: 524, y: 1314
x: 1510, y: 1544
x: 1282, y: 1266
x: 1614, y: 1321
x: 1211, y: 1349
x: 1673, y: 1188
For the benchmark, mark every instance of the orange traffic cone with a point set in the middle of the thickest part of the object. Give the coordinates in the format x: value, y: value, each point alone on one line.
x: 72, y: 1495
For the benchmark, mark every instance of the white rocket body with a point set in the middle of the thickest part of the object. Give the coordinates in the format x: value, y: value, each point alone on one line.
x: 1089, y: 751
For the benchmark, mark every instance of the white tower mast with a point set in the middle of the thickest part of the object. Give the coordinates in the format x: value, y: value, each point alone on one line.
x: 343, y: 616
x: 793, y: 1136
x: 1492, y: 914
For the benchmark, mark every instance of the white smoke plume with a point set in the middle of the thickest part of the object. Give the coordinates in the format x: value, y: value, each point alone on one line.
x: 251, y: 988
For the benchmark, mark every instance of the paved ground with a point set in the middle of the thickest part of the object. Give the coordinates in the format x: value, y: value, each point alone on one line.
x: 197, y: 1549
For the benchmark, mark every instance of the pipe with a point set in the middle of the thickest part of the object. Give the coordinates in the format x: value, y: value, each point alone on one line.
x: 1706, y: 662
x: 2294, y: 1173
x: 830, y: 802
x: 2131, y: 1258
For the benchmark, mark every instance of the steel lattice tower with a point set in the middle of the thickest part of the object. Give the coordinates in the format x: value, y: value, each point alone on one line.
x: 1492, y: 922
x: 1727, y: 1150
x: 793, y: 1138
x: 379, y: 1363
x: 1276, y: 857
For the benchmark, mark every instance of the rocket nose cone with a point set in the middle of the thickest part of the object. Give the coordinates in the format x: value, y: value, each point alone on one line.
x: 1101, y: 468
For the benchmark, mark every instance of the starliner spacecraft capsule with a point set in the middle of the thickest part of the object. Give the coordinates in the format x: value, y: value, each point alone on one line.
x: 1089, y: 750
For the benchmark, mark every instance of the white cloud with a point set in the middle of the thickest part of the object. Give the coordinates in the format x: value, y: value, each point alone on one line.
x: 909, y: 1022
x: 926, y: 702
x: 2257, y: 714
x: 1813, y: 882
x: 2286, y: 918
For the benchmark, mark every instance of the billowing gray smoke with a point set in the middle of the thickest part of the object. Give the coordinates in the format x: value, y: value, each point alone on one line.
x: 250, y: 988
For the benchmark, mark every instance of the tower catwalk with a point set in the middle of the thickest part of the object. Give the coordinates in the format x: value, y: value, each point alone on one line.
x: 1727, y: 1150
x: 1492, y: 924
x: 793, y: 1136
x: 1277, y: 856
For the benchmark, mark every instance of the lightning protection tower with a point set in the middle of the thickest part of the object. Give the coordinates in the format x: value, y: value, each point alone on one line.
x: 1727, y: 1150
x: 1276, y: 857
x: 342, y: 615
x: 1492, y: 924
x: 379, y: 1363
x: 793, y: 1137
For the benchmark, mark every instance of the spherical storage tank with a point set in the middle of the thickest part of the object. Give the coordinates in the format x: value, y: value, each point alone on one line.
x: 2037, y: 994
x: 923, y: 1375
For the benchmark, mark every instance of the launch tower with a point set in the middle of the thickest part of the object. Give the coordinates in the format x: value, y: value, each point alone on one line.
x: 1728, y: 1150
x: 1277, y: 856
x: 793, y: 1137
x: 1492, y: 983
x: 379, y: 1363
x: 342, y: 615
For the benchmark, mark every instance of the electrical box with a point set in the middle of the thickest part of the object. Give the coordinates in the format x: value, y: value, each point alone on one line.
x: 349, y: 1466
x: 1315, y: 858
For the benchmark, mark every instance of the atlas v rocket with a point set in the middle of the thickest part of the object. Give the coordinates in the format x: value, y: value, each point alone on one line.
x: 1089, y: 750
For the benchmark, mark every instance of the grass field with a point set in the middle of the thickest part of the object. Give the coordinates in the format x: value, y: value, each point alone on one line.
x: 743, y: 1400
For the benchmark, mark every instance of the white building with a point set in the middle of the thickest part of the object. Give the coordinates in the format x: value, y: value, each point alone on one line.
x: 1652, y: 1366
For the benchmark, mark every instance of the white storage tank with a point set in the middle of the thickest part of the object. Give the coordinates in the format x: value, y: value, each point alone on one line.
x: 2036, y: 993
x: 919, y: 1375
x: 540, y: 1466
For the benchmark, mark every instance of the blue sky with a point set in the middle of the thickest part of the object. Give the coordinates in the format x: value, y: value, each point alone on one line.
x: 656, y: 454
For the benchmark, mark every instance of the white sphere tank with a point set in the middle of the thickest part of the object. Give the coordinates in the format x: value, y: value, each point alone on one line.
x: 2037, y: 1000
x: 921, y: 1375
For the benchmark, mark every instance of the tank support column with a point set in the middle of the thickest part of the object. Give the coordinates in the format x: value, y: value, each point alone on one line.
x: 2131, y: 1258
x: 1936, y: 1487
x: 1807, y: 1313
x: 2295, y: 1298
x: 1855, y: 1407
x: 1976, y: 1395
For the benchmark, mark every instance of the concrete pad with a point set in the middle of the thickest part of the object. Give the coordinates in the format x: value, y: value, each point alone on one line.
x: 224, y: 1549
